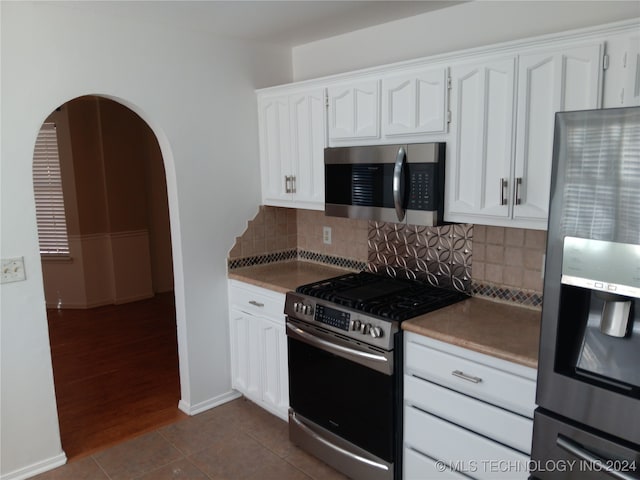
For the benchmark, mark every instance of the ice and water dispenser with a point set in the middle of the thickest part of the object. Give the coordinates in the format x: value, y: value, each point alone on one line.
x: 599, y: 329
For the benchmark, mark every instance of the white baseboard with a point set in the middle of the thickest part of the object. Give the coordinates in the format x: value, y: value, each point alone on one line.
x: 36, y: 468
x: 207, y: 404
x: 104, y: 302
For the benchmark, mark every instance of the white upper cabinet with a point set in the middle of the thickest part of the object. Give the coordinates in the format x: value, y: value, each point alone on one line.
x: 354, y: 111
x: 403, y: 105
x: 414, y: 103
x: 622, y: 75
x: 292, y: 141
x: 494, y: 106
x: 481, y: 147
x: 275, y: 140
x: 501, y: 148
x: 562, y: 79
x: 308, y: 140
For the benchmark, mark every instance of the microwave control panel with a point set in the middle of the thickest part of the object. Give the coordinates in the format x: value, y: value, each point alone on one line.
x: 423, y: 187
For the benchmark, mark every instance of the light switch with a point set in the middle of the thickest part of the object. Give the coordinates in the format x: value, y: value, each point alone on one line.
x: 13, y: 270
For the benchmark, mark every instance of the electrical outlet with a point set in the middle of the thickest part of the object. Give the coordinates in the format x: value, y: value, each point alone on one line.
x: 326, y: 235
x: 12, y: 270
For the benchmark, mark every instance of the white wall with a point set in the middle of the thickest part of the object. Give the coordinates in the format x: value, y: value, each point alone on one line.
x: 459, y: 27
x: 196, y: 93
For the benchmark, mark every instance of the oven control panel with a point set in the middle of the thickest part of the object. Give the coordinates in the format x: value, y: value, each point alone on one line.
x: 355, y: 325
x: 331, y: 316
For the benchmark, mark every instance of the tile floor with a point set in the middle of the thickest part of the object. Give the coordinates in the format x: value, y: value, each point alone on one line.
x: 235, y: 441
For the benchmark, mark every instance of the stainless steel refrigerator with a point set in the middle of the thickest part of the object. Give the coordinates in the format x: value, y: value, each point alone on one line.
x: 587, y: 425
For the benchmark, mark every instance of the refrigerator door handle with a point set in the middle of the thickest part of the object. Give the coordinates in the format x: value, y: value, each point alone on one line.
x: 583, y: 454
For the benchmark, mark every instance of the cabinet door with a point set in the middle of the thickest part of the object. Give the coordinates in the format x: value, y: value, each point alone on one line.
x: 479, y: 159
x: 273, y: 360
x: 548, y: 82
x: 307, y: 148
x: 632, y: 73
x: 245, y: 376
x: 414, y: 103
x: 354, y: 112
x: 622, y: 76
x: 275, y: 143
x: 421, y: 467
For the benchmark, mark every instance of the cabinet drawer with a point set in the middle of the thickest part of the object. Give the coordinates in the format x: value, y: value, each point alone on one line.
x: 256, y: 300
x: 471, y: 377
x: 420, y: 467
x: 461, y: 449
x: 493, y: 422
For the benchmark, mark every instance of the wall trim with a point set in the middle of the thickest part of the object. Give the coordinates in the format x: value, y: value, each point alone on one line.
x: 36, y: 468
x: 207, y: 404
x: 133, y: 298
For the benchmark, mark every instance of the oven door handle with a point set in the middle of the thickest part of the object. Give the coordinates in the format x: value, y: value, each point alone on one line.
x: 338, y: 449
x: 326, y: 345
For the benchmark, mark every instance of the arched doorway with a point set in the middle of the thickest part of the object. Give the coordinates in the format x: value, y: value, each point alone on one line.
x: 110, y: 300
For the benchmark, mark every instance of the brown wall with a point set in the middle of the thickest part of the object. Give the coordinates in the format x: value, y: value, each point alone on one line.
x: 118, y: 216
x: 86, y: 145
x: 124, y: 148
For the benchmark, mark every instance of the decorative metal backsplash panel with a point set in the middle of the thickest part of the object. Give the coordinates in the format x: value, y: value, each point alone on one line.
x: 440, y: 256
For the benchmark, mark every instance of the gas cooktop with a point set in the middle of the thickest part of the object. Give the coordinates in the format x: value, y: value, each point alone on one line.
x: 382, y: 296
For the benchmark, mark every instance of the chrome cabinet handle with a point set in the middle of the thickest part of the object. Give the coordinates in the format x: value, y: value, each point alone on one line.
x: 293, y: 184
x: 256, y: 304
x: 599, y: 464
x: 464, y: 376
x: 287, y: 184
x: 517, y: 196
x: 401, y: 157
x: 503, y: 186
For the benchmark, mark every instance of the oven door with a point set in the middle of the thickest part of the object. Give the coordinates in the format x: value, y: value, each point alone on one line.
x: 344, y: 387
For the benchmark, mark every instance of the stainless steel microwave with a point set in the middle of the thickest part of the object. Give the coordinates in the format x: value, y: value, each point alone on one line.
x: 389, y: 183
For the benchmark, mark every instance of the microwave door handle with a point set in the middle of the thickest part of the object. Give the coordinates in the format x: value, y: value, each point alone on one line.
x: 401, y: 158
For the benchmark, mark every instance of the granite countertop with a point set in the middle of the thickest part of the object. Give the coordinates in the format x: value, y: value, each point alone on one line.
x: 503, y: 331
x: 285, y: 276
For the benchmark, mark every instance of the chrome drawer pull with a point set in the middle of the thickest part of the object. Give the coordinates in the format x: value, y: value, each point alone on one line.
x: 464, y: 376
x: 256, y: 304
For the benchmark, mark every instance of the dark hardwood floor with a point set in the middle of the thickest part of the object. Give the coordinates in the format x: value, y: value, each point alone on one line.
x: 116, y: 372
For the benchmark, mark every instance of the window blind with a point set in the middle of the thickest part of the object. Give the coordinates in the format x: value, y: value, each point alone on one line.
x: 47, y: 181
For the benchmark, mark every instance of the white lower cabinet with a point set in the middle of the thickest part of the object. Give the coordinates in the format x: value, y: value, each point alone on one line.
x: 419, y: 466
x: 465, y: 413
x: 259, y: 346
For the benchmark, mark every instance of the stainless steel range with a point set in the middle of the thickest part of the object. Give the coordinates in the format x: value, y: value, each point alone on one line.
x: 345, y: 368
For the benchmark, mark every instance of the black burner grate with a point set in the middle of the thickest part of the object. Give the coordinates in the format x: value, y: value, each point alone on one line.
x: 382, y: 296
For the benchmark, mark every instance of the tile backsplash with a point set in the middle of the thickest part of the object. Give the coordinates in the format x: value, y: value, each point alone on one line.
x: 503, y: 264
x: 272, y: 230
x: 440, y: 256
x: 510, y: 257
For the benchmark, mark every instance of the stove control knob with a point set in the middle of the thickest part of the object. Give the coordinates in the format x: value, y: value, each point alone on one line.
x: 297, y: 306
x: 355, y: 325
x: 307, y: 309
x: 366, y: 327
x: 376, y: 332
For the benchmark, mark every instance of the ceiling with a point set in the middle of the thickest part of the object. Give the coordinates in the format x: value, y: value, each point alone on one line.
x: 290, y: 23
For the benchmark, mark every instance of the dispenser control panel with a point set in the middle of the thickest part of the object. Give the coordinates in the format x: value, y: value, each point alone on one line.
x: 599, y: 265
